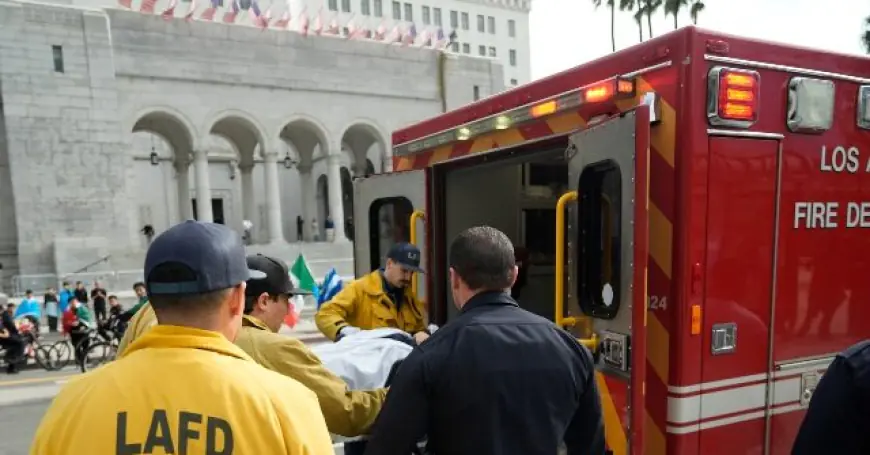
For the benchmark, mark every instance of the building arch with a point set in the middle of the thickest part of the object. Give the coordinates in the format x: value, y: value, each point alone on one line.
x: 170, y: 124
x: 360, y: 135
x: 308, y: 136
x: 241, y: 129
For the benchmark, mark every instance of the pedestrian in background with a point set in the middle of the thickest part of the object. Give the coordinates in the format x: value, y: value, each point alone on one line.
x: 49, y: 300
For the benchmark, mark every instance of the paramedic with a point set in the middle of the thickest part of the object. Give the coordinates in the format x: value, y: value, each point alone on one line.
x: 184, y: 387
x: 382, y: 298
x: 837, y: 420
x: 497, y: 379
x: 267, y: 302
x: 347, y: 413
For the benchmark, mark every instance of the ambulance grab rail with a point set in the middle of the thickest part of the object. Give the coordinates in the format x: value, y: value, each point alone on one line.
x: 561, y: 320
x: 415, y: 215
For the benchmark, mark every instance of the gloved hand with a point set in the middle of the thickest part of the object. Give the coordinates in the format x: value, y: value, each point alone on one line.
x: 347, y: 330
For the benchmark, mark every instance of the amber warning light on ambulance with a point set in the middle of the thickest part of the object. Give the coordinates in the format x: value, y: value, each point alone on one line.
x: 734, y: 95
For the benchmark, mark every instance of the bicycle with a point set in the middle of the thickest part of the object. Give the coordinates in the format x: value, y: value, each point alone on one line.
x: 103, y: 347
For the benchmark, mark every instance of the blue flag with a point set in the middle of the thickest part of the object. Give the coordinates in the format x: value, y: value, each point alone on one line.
x: 332, y: 285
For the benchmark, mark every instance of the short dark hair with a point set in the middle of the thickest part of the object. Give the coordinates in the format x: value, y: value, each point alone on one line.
x: 251, y: 300
x: 112, y: 297
x: 483, y: 257
x: 138, y: 284
x: 185, y: 304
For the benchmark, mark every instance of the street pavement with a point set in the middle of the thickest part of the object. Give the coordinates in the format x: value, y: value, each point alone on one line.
x: 25, y: 397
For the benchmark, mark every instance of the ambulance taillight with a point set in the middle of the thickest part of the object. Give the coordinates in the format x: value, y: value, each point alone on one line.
x: 732, y: 98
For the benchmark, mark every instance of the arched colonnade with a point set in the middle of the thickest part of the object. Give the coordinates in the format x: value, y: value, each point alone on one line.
x: 323, y: 165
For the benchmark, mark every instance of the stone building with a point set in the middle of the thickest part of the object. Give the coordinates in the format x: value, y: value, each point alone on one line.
x: 113, y: 120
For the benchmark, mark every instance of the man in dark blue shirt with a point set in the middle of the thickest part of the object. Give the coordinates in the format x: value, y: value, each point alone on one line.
x: 497, y: 380
x: 838, y: 419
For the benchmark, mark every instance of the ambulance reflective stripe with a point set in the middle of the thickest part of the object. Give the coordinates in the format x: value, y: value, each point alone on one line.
x: 191, y: 426
x: 714, y: 404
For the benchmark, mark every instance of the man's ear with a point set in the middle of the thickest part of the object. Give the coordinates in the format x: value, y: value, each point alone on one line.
x: 237, y: 300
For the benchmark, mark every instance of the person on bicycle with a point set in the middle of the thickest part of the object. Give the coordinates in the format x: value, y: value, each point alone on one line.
x: 348, y: 413
x: 77, y: 323
x: 10, y: 339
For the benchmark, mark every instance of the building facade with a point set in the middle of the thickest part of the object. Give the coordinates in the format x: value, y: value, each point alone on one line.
x: 495, y: 29
x: 113, y: 120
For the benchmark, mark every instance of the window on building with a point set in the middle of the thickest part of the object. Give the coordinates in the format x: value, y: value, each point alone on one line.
x: 365, y: 7
x: 514, y: 82
x: 512, y: 28
x: 466, y: 48
x: 476, y: 92
x: 244, y: 4
x: 490, y: 25
x: 332, y: 5
x: 57, y: 54
x: 480, y: 23
x: 427, y: 15
x: 454, y: 46
x: 345, y: 31
x: 379, y: 8
x: 437, y: 16
x: 397, y: 11
x: 512, y: 56
x: 465, y: 21
x: 409, y: 12
x: 491, y: 51
x: 481, y: 50
x: 454, y: 20
x: 598, y: 238
x: 345, y: 6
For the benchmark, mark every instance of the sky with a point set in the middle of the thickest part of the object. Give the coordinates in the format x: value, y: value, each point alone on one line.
x: 566, y: 33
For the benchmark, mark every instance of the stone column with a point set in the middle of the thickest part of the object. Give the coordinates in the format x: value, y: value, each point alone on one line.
x: 306, y: 188
x: 249, y: 208
x: 203, y: 187
x: 182, y: 181
x: 273, y: 197
x: 238, y: 198
x: 333, y: 177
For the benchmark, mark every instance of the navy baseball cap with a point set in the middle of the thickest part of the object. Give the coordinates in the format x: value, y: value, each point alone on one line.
x: 406, y: 255
x: 275, y: 279
x: 211, y: 257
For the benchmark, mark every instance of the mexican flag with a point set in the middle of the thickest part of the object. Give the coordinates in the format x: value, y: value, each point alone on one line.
x: 302, y: 278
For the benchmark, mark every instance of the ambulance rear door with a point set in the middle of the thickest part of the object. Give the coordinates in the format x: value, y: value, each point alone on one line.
x: 388, y: 208
x: 607, y: 235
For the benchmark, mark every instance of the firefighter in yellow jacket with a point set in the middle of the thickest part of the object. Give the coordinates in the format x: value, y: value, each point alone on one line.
x: 380, y: 299
x: 184, y: 387
x: 347, y: 413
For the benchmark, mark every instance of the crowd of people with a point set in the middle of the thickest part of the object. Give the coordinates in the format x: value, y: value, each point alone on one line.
x: 202, y: 351
x: 74, y: 311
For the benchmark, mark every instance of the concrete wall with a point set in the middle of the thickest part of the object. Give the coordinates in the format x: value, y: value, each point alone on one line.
x: 64, y: 143
x: 68, y: 135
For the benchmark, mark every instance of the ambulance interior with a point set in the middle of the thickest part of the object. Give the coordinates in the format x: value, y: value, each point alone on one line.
x: 518, y: 196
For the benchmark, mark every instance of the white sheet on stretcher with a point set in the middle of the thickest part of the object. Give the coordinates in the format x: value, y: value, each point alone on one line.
x: 364, y: 359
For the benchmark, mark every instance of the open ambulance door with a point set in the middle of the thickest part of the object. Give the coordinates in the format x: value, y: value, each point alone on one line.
x: 388, y: 208
x: 606, y: 267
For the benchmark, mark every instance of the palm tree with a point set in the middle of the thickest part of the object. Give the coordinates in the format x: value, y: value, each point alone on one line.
x: 696, y: 9
x: 612, y: 5
x: 866, y: 37
x: 630, y: 5
x: 673, y: 7
x: 650, y: 7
